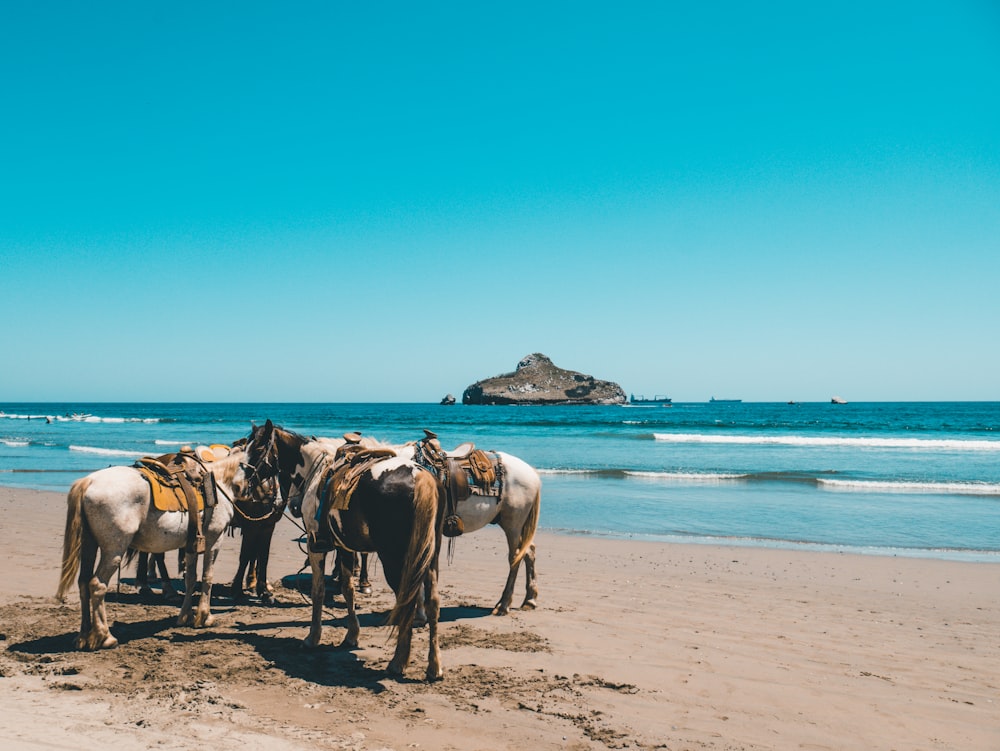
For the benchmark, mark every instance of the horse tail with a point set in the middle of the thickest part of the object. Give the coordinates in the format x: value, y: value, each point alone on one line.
x: 528, y: 530
x: 73, y: 536
x: 422, y: 552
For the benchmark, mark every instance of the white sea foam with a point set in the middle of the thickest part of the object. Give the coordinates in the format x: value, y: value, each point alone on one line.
x: 79, y: 418
x: 15, y: 444
x: 795, y: 440
x: 162, y: 442
x: 106, y: 452
x: 659, y: 475
x: 704, y: 477
x: 888, y: 486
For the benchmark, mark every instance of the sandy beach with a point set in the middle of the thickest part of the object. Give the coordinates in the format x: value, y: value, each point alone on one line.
x: 634, y: 645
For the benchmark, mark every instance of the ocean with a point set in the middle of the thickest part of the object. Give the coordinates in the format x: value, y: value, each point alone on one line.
x: 905, y: 479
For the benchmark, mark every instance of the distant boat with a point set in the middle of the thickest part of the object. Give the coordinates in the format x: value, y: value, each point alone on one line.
x: 664, y: 400
x: 838, y: 400
x: 713, y: 400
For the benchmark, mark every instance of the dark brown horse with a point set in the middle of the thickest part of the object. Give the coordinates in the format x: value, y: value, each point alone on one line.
x: 395, y: 510
x: 256, y: 521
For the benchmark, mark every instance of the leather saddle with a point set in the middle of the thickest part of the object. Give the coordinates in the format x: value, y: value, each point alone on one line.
x: 464, y: 471
x: 181, y: 482
x: 338, y: 483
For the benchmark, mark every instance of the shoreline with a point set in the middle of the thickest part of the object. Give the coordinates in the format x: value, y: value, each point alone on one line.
x: 966, y: 555
x: 635, y: 644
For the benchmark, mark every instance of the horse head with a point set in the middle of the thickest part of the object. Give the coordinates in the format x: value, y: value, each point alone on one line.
x: 274, y: 455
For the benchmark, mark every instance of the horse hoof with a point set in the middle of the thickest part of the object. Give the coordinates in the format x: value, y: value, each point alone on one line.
x: 365, y: 589
x: 434, y: 675
x: 501, y: 610
x: 268, y: 599
x: 394, y: 669
x: 528, y: 605
x: 109, y: 643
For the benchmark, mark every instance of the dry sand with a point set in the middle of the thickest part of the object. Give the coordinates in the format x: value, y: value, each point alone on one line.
x: 634, y: 645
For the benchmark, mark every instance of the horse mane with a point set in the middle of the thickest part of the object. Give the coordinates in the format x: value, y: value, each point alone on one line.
x: 225, y: 468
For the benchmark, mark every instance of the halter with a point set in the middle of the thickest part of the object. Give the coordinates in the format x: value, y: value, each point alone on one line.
x: 262, y: 479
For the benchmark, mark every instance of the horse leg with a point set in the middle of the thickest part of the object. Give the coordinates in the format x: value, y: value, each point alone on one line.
x: 252, y: 578
x: 143, y: 570
x: 88, y: 556
x: 317, y: 562
x: 432, y: 605
x: 242, y: 568
x: 347, y: 590
x: 264, y: 589
x: 186, y: 617
x: 203, y: 617
x: 159, y: 559
x: 420, y: 617
x: 530, y: 580
x: 364, y: 585
x: 100, y: 633
x: 503, y: 605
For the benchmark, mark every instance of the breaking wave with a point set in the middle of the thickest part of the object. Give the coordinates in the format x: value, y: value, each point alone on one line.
x: 948, y: 444
x: 105, y: 452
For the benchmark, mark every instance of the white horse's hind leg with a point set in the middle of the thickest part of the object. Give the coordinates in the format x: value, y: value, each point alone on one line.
x: 203, y: 617
x: 530, y: 580
x: 88, y: 556
x: 186, y: 617
x: 100, y: 633
x: 503, y: 605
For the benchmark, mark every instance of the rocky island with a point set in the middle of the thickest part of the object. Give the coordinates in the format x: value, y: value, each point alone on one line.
x: 538, y: 381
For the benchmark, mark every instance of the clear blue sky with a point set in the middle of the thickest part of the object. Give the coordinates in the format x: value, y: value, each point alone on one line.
x: 389, y: 201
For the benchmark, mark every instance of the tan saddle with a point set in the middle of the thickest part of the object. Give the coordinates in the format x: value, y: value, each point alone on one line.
x: 182, y: 482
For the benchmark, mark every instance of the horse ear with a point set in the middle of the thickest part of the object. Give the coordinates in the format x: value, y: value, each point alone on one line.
x: 269, y: 425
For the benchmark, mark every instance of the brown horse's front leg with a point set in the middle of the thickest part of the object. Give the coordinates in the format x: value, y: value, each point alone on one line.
x: 317, y: 562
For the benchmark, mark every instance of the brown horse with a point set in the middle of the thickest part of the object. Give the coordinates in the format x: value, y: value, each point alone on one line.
x: 256, y: 522
x: 395, y: 510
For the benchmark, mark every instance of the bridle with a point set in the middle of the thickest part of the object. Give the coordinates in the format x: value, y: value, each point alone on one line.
x: 262, y: 478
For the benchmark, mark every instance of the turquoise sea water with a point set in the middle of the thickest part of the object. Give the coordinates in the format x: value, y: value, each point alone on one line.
x: 920, y: 479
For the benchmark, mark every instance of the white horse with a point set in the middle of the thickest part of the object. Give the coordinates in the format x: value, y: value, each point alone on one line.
x: 111, y: 510
x: 516, y: 511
